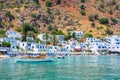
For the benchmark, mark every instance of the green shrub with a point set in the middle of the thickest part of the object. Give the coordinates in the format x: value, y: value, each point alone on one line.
x: 60, y: 32
x: 102, y: 6
x: 49, y: 4
x: 99, y: 28
x: 93, y: 24
x: 96, y: 16
x: 83, y: 13
x: 82, y: 7
x: 6, y: 44
x: 18, y: 30
x: 88, y: 35
x: 33, y: 15
x: 68, y: 36
x: 108, y: 31
x: 91, y: 17
x: 36, y: 1
x: 90, y: 31
x: 2, y: 33
x: 114, y: 20
x: 104, y: 21
x: 111, y: 11
x: 83, y: 1
x: 117, y: 7
x: 9, y: 14
x: 113, y: 2
x: 58, y: 1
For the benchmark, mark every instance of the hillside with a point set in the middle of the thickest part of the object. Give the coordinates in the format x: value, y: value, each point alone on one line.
x: 66, y: 15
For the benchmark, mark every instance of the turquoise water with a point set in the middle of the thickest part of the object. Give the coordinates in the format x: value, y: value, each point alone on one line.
x: 70, y: 68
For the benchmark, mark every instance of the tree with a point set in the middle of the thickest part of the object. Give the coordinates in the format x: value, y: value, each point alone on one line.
x: 104, y: 21
x: 93, y: 24
x: 114, y: 20
x: 28, y: 27
x: 36, y: 1
x: 58, y: 1
x: 111, y: 11
x: 30, y: 34
x: 49, y: 4
x: 83, y: 13
x: 6, y: 44
x: 91, y: 17
x: 88, y: 35
x: 96, y: 16
x: 60, y: 32
x: 108, y: 31
x: 10, y: 15
x: 82, y: 7
x: 73, y: 35
x: 50, y: 27
x: 54, y: 40
x: 68, y: 36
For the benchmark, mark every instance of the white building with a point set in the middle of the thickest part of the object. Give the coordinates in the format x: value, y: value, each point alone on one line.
x: 60, y: 37
x: 114, y: 42
x: 13, y: 34
x: 89, y: 40
x: 33, y: 47
x: 42, y: 37
x: 14, y: 43
x: 98, y: 45
x: 78, y: 34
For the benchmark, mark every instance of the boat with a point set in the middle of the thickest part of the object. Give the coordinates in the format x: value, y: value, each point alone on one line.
x: 61, y: 57
x: 34, y: 60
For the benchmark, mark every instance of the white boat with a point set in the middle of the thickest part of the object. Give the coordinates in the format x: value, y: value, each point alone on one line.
x: 60, y: 56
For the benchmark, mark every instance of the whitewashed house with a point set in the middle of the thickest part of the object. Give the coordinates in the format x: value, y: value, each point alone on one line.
x: 78, y: 34
x: 30, y: 39
x: 89, y: 40
x: 98, y: 45
x: 14, y: 43
x: 114, y: 42
x: 60, y: 40
x: 33, y: 47
x: 60, y: 37
x: 13, y: 34
x: 83, y: 46
x: 53, y: 49
x: 1, y: 39
x: 42, y: 37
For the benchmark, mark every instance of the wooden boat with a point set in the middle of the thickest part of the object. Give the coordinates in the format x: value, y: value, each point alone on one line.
x: 41, y: 58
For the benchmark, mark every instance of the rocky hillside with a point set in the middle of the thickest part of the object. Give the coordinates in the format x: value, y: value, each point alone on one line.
x: 94, y: 17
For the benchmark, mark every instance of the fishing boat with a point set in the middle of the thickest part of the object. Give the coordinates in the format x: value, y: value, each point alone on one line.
x: 32, y: 58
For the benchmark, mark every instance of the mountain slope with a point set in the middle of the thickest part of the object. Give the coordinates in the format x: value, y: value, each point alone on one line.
x: 62, y: 14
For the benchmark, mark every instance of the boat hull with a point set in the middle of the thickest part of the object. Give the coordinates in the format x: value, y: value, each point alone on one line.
x: 34, y: 60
